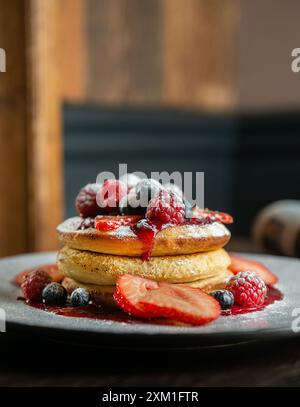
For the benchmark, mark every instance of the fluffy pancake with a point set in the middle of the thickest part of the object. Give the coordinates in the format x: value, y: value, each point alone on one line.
x: 175, y: 240
x: 103, y: 294
x: 103, y: 269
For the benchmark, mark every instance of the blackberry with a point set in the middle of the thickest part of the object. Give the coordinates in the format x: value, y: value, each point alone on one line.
x: 136, y: 202
x: 224, y: 297
x: 54, y: 294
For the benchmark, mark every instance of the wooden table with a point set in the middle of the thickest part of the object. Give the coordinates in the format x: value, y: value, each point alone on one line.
x: 26, y: 362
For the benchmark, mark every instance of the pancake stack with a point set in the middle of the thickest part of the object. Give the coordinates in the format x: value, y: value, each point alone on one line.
x: 189, y: 254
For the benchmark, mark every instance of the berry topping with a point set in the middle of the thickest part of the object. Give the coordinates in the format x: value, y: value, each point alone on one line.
x: 130, y: 180
x: 129, y: 205
x: 146, y: 189
x: 145, y: 298
x: 176, y: 190
x: 86, y: 201
x: 80, y: 297
x: 248, y: 288
x: 166, y: 207
x: 86, y: 223
x: 109, y: 223
x: 54, y: 294
x: 224, y: 297
x: 50, y: 269
x: 241, y: 264
x: 214, y: 216
x: 110, y: 194
x: 34, y: 283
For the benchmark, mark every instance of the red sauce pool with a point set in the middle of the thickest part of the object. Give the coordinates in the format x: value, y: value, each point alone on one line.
x: 99, y: 313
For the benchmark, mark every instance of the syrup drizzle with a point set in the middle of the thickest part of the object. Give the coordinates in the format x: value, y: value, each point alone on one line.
x: 146, y: 231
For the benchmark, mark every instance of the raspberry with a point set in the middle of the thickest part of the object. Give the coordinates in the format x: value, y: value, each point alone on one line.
x: 34, y: 283
x: 110, y: 194
x: 248, y: 289
x: 166, y: 207
x: 86, y: 202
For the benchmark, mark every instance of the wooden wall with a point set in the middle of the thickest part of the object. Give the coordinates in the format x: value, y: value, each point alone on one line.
x: 170, y: 52
x: 150, y: 52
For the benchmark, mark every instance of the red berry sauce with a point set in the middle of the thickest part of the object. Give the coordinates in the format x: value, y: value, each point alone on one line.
x: 273, y: 295
x: 98, y: 312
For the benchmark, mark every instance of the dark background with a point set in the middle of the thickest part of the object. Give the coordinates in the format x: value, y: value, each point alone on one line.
x: 249, y: 160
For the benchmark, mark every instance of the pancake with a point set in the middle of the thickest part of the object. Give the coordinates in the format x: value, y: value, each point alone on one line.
x: 103, y: 294
x: 103, y: 269
x: 171, y: 241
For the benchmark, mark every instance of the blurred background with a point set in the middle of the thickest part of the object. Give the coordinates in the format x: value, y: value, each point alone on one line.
x: 187, y: 85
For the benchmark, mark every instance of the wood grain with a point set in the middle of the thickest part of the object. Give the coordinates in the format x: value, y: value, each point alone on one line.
x: 44, y: 124
x: 13, y: 189
x: 199, y: 53
x: 124, y: 51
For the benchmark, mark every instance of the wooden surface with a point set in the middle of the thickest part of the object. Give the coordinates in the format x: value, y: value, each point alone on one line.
x: 44, y: 124
x: 13, y: 100
x: 168, y: 52
x: 269, y: 364
x: 154, y: 52
x: 199, y: 51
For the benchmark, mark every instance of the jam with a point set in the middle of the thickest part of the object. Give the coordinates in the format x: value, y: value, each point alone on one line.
x: 97, y: 312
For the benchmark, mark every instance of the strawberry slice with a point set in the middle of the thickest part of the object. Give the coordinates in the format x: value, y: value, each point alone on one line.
x: 108, y: 223
x: 145, y: 298
x: 242, y: 264
x: 51, y: 269
x: 129, y: 291
x: 213, y: 215
x: 181, y: 303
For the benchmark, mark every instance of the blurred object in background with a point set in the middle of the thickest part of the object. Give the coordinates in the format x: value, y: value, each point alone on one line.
x: 277, y: 228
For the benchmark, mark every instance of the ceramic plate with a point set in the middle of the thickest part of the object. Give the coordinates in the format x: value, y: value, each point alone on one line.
x: 275, y: 321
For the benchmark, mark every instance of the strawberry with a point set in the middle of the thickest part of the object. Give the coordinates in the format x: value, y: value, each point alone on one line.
x: 239, y: 264
x: 108, y: 223
x: 213, y: 215
x: 129, y: 290
x: 181, y: 303
x: 145, y: 298
x: 51, y: 269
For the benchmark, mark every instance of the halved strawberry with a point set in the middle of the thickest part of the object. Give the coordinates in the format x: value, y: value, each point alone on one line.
x: 51, y: 269
x: 222, y: 217
x: 129, y: 291
x: 107, y: 223
x: 185, y: 304
x: 239, y: 263
x: 146, y: 298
